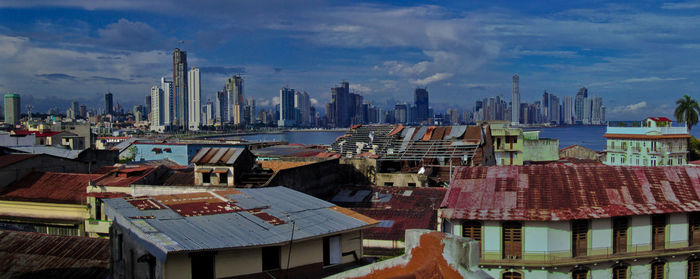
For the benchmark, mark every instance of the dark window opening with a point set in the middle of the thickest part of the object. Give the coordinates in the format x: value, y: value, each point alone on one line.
x: 512, y: 240
x: 411, y: 184
x: 694, y: 227
x: 579, y: 274
x: 206, y: 178
x: 202, y: 265
x: 657, y: 270
x: 579, y: 232
x: 619, y: 272
x: 472, y: 229
x: 512, y: 275
x: 694, y: 269
x: 620, y: 226
x: 658, y: 230
x: 271, y: 257
x: 388, y: 183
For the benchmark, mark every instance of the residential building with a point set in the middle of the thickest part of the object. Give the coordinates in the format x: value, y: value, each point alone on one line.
x: 508, y: 144
x: 234, y: 96
x: 221, y: 166
x: 579, y: 106
x: 168, y: 101
x: 656, y: 142
x: 287, y: 111
x: 339, y: 104
x: 222, y: 111
x: 12, y: 109
x: 303, y: 104
x: 109, y: 103
x: 157, y: 109
x: 516, y: 101
x: 578, y: 220
x: 272, y: 231
x: 194, y: 99
x: 178, y: 152
x: 180, y: 90
x: 567, y: 111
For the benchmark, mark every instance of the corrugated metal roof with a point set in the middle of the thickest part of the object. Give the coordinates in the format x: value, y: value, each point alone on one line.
x: 9, y: 159
x: 217, y: 156
x: 566, y: 192
x: 35, y: 255
x: 70, y: 188
x: 262, y: 219
x: 456, y: 132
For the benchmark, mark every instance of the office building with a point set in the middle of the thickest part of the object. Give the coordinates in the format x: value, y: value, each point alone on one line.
x: 568, y: 116
x: 340, y: 95
x: 422, y: 103
x: 193, y: 101
x: 180, y: 89
x: 579, y: 105
x: 515, y: 113
x: 303, y: 104
x: 168, y: 101
x: 222, y: 111
x: 287, y: 111
x: 234, y: 96
x: 109, y: 104
x: 12, y: 109
x: 157, y: 109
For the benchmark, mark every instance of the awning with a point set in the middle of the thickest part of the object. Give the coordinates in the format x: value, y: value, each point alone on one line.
x: 221, y: 171
x: 203, y: 170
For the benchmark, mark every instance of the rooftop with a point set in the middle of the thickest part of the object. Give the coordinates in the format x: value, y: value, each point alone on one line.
x: 569, y: 191
x: 217, y: 156
x: 50, y: 187
x: 35, y: 255
x: 9, y: 159
x: 237, y: 217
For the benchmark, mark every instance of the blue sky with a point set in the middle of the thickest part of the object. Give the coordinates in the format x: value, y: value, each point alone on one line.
x: 640, y: 56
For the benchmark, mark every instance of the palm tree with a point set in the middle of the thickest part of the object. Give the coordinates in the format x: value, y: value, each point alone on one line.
x: 687, y: 111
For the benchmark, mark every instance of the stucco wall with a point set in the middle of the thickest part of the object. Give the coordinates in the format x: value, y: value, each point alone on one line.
x: 541, y: 150
x: 238, y: 262
x: 640, y: 233
x: 601, y: 236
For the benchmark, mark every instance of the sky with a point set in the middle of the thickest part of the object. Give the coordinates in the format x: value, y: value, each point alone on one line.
x: 640, y: 56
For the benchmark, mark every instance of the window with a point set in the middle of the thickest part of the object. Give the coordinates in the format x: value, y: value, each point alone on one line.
x: 388, y: 183
x: 612, y: 158
x: 271, y: 257
x: 694, y: 269
x: 119, y: 244
x: 202, y: 265
x: 332, y: 253
x: 579, y: 274
x: 472, y: 229
x: 411, y: 184
x: 619, y: 272
x: 620, y: 226
x: 694, y: 228
x: 658, y: 232
x: 446, y: 226
x: 512, y: 240
x: 206, y: 178
x: 512, y: 275
x: 579, y: 231
x: 657, y: 270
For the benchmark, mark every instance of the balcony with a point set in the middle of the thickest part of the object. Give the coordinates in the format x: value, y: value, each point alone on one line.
x: 595, y: 256
x: 647, y: 130
x: 97, y: 226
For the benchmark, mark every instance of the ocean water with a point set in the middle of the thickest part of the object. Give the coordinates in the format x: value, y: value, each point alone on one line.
x: 587, y: 136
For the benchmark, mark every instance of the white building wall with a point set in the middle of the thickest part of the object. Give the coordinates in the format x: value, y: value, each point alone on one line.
x: 535, y: 238
x: 639, y: 270
x: 193, y: 102
x: 559, y: 237
x: 640, y: 231
x: 677, y: 268
x: 678, y: 230
x: 491, y: 237
x: 601, y: 235
x: 601, y: 272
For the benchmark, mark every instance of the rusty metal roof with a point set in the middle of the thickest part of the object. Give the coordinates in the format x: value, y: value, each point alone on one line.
x: 9, y: 159
x: 217, y: 156
x: 565, y: 192
x: 70, y: 188
x: 35, y: 255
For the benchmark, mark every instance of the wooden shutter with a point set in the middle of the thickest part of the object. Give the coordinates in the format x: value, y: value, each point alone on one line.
x: 657, y: 270
x: 512, y: 240
x: 619, y: 272
x: 579, y: 274
x: 694, y: 227
x: 472, y: 229
x: 512, y: 275
x: 579, y: 232
x: 694, y: 269
x: 658, y: 230
x: 620, y: 226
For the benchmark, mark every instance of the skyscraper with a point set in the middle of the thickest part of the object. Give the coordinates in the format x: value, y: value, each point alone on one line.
x: 168, y: 101
x: 180, y: 89
x: 75, y: 109
x: 579, y: 105
x: 234, y: 95
x: 287, y: 111
x: 109, y: 103
x: 222, y: 111
x: 157, y: 108
x: 545, y: 107
x: 339, y: 101
x: 568, y: 105
x: 516, y: 100
x: 194, y: 95
x: 303, y: 104
x: 12, y: 109
x: 148, y: 104
x: 421, y: 101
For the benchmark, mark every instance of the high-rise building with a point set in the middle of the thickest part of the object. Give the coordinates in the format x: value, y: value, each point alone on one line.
x: 75, y: 110
x: 554, y: 109
x: 194, y: 96
x: 180, y: 89
x: 109, y: 103
x: 168, y: 101
x: 579, y: 105
x: 208, y: 114
x: 287, y: 111
x: 545, y: 107
x: 340, y: 103
x: 303, y: 104
x: 587, y: 110
x: 568, y: 105
x: 515, y: 112
x: 222, y: 111
x: 596, y: 105
x: 157, y: 108
x: 422, y: 103
x: 251, y: 110
x: 234, y: 95
x: 148, y: 104
x: 12, y: 108
x: 83, y: 111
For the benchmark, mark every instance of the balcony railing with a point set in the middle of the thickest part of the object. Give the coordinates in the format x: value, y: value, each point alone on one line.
x: 645, y: 130
x: 555, y: 258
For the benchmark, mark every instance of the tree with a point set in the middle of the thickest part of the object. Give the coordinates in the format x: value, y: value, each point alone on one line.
x: 687, y: 111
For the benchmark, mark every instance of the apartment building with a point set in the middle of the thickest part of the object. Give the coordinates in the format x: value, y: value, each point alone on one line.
x: 656, y: 142
x: 578, y: 221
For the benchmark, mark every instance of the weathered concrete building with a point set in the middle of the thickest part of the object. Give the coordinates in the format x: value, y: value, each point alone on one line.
x: 655, y: 143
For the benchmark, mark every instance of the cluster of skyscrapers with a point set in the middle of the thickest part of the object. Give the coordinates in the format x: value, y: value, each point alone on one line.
x: 552, y: 109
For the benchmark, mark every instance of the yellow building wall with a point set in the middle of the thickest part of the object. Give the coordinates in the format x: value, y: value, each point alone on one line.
x: 178, y: 266
x: 239, y: 262
x: 44, y: 210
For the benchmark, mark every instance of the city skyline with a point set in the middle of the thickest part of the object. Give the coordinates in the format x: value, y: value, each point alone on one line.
x: 126, y: 49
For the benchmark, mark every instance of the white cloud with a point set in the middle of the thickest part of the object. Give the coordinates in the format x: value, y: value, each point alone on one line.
x: 434, y: 78
x: 631, y: 108
x: 650, y: 79
x: 681, y: 5
x: 314, y: 101
x: 275, y: 100
x: 360, y: 88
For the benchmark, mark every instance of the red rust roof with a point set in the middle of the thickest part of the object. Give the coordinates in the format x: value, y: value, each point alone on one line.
x: 35, y: 255
x: 9, y: 159
x: 566, y: 192
x: 70, y: 188
x: 657, y: 119
x: 125, y: 176
x: 36, y: 133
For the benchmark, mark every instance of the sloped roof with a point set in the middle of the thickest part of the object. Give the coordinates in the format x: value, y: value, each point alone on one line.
x: 36, y: 255
x: 54, y: 187
x: 9, y: 159
x: 217, y: 156
x: 662, y: 119
x: 228, y: 219
x: 125, y: 176
x: 566, y: 192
